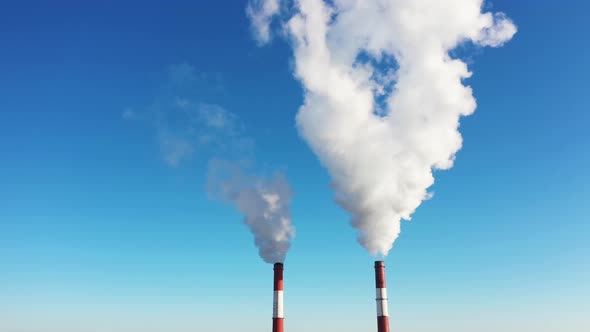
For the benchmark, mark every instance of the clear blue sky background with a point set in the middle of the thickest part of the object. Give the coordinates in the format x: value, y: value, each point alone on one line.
x: 98, y: 233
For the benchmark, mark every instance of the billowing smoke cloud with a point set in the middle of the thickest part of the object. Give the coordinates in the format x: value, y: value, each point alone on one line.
x: 264, y: 202
x: 383, y: 98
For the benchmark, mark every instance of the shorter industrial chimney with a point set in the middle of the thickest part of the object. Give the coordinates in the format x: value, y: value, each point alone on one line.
x: 277, y: 310
x: 381, y: 298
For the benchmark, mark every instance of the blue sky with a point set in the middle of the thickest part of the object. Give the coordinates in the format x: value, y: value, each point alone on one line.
x: 99, y: 233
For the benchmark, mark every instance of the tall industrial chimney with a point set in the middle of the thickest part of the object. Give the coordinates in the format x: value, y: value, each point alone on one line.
x: 277, y: 312
x: 382, y: 315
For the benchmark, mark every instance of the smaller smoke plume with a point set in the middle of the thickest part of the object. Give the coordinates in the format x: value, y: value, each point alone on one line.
x: 264, y: 202
x: 187, y: 127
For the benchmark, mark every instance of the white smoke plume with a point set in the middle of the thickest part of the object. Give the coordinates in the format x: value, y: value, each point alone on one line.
x: 383, y: 98
x: 264, y: 202
x: 261, y: 13
x: 187, y: 128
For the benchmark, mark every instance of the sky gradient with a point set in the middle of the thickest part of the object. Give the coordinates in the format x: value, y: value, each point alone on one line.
x: 100, y: 232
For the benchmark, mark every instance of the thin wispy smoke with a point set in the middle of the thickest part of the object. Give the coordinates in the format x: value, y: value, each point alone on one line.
x: 186, y: 127
x: 185, y: 124
x: 383, y: 97
x: 261, y: 13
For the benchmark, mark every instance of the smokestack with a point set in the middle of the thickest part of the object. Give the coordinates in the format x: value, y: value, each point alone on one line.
x: 382, y: 315
x: 277, y: 312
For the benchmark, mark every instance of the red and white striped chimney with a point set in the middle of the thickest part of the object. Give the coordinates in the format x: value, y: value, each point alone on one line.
x: 382, y: 315
x: 277, y: 307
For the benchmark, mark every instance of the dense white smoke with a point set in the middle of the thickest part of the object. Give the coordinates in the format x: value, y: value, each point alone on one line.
x: 383, y: 97
x: 264, y: 202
